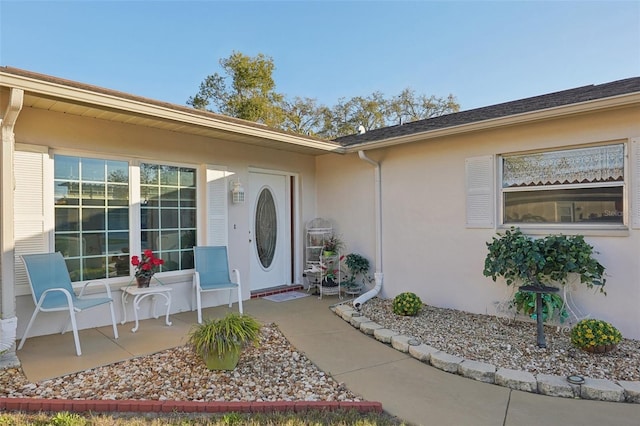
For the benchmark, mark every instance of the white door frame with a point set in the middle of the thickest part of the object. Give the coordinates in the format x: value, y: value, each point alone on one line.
x: 296, y: 249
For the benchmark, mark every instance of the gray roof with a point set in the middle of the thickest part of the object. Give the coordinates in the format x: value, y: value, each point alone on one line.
x: 536, y: 103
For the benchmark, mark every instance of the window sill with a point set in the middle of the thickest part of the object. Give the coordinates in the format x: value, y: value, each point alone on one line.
x: 590, y: 231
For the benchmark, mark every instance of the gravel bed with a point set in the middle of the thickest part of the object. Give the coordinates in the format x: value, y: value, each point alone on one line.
x: 273, y: 371
x: 276, y: 371
x: 507, y: 344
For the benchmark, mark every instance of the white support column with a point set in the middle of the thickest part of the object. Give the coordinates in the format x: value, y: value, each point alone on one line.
x: 7, y: 123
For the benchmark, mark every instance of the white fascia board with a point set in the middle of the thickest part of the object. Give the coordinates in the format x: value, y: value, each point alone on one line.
x: 545, y: 114
x: 55, y: 90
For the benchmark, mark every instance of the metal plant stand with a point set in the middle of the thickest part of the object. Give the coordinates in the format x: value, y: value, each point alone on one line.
x: 539, y: 291
x: 318, y: 231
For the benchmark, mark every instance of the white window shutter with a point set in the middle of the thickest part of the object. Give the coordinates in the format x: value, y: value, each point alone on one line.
x: 217, y: 196
x: 635, y: 183
x: 32, y: 171
x: 480, y: 188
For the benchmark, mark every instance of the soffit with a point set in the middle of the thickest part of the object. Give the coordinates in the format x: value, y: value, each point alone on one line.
x: 275, y: 140
x: 70, y: 97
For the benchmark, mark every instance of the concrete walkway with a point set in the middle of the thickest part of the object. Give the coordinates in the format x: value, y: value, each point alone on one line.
x: 407, y: 388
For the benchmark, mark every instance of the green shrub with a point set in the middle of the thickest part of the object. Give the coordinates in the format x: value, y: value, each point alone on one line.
x: 220, y: 335
x: 591, y: 333
x: 552, y: 305
x: 523, y: 260
x: 406, y: 304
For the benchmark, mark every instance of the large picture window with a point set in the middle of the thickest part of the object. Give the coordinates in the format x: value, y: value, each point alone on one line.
x: 92, y: 210
x: 584, y: 186
x: 168, y: 213
x: 92, y: 216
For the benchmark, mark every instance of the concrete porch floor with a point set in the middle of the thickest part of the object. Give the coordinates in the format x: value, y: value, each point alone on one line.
x: 407, y: 388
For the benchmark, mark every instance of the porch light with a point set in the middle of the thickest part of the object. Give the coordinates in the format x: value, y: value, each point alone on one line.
x: 237, y: 192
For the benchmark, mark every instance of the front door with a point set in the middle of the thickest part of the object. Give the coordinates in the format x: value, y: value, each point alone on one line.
x: 270, y: 231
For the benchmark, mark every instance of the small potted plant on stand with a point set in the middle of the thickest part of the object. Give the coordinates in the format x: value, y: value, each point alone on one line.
x: 146, y: 266
x: 358, y: 267
x: 220, y: 341
x: 332, y: 245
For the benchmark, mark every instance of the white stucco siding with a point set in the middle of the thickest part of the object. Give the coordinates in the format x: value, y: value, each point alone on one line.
x: 73, y: 135
x: 346, y: 198
x: 433, y: 254
x: 427, y: 247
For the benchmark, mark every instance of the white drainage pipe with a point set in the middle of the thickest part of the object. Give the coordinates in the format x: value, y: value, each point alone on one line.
x: 378, y: 275
x: 371, y: 293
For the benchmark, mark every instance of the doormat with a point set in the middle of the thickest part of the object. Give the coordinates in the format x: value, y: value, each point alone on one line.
x: 283, y: 297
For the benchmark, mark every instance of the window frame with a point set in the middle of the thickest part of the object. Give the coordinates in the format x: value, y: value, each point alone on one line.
x: 135, y: 227
x: 566, y: 227
x: 82, y: 206
x: 196, y: 210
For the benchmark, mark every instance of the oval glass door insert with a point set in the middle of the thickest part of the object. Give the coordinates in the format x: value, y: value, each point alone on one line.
x: 266, y: 229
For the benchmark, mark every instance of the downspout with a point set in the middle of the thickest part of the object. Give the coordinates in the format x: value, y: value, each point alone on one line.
x: 8, y: 319
x: 378, y: 275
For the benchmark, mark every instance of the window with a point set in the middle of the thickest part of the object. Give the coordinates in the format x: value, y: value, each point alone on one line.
x: 583, y: 186
x: 92, y: 216
x: 92, y: 210
x: 168, y: 214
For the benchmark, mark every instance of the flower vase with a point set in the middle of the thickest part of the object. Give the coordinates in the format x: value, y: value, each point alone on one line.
x: 143, y: 282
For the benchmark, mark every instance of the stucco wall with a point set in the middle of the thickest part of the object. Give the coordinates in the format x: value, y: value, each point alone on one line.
x: 428, y: 249
x: 73, y: 135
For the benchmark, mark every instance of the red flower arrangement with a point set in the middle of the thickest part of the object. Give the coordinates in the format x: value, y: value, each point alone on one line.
x: 147, y: 265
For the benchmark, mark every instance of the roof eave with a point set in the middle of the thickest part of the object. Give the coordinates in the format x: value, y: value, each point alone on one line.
x: 511, y: 120
x: 135, y: 106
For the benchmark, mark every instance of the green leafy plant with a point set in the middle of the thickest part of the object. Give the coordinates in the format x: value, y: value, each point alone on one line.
x: 406, y: 304
x: 357, y: 271
x: 330, y: 268
x: 536, y: 263
x: 218, y: 336
x: 525, y: 303
x: 358, y: 265
x: 519, y: 258
x: 333, y: 244
x: 590, y: 334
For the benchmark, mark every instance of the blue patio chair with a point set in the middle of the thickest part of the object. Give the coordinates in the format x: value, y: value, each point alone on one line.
x: 52, y: 291
x: 212, y: 274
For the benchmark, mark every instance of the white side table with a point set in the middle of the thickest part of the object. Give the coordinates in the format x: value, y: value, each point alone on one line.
x: 139, y: 294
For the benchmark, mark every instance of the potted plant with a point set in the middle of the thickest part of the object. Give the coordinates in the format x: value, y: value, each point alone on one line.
x: 358, y: 268
x: 332, y: 245
x: 146, y: 265
x: 220, y: 341
x: 594, y: 335
x: 537, y: 264
x: 329, y: 267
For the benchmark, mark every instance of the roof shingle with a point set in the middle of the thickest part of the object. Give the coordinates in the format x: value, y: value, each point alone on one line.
x: 536, y: 103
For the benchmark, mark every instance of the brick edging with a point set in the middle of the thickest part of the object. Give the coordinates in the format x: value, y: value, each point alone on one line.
x: 153, y: 406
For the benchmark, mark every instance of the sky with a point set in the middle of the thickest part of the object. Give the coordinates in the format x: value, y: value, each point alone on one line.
x: 482, y: 52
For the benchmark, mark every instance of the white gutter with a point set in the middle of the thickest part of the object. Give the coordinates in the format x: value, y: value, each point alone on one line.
x: 378, y: 275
